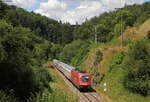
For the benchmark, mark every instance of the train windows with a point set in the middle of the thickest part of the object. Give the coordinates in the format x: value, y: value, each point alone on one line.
x: 84, y: 78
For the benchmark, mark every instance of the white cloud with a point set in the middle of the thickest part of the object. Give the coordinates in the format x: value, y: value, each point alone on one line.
x: 53, y: 9
x: 83, y: 11
x: 23, y: 3
x: 59, y: 9
x: 62, y: 10
x: 134, y: 1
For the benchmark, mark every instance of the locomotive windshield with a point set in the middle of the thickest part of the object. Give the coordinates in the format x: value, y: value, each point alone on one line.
x: 84, y: 78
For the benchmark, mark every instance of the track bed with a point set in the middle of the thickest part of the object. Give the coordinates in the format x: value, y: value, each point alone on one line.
x: 84, y: 96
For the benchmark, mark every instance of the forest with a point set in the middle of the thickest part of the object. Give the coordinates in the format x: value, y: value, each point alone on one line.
x: 28, y: 40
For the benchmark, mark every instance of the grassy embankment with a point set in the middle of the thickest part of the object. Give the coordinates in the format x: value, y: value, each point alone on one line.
x: 58, y: 84
x: 116, y: 91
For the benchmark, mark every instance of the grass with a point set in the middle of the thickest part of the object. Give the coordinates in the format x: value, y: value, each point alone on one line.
x: 59, y: 90
x: 59, y: 84
x: 116, y: 92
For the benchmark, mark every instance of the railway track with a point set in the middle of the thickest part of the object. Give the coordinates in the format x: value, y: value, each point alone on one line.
x: 84, y: 96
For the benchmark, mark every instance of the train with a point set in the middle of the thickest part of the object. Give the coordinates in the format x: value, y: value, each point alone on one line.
x: 80, y: 79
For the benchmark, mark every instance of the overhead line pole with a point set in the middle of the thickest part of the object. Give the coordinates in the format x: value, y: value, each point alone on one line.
x: 122, y: 27
x: 121, y: 30
x: 95, y: 34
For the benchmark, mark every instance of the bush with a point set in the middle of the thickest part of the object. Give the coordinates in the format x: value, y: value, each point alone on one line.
x: 117, y: 60
x: 137, y: 63
x: 16, y: 54
x: 5, y: 97
x: 97, y: 75
x: 15, y: 69
x: 70, y: 50
x: 43, y: 78
x: 80, y: 55
x: 55, y: 96
x: 99, y: 57
x: 148, y: 35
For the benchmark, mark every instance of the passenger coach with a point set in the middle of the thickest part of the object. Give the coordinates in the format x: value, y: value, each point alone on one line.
x: 80, y: 79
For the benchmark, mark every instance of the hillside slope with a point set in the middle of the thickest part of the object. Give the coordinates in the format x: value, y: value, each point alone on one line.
x: 116, y: 91
x: 23, y: 50
x: 133, y: 33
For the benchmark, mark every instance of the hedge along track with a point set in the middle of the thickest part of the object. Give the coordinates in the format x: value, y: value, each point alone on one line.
x: 90, y: 96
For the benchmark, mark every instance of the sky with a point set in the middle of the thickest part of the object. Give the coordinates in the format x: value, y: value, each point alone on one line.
x: 71, y: 11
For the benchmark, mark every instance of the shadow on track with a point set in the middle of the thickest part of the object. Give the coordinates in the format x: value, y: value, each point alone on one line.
x: 87, y: 90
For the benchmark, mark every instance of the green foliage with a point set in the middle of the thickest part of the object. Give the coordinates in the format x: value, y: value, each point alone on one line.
x: 137, y: 63
x: 126, y: 16
x: 22, y: 52
x: 56, y: 96
x: 115, y: 82
x: 148, y: 35
x: 14, y: 66
x: 117, y: 60
x: 117, y: 29
x: 143, y: 11
x: 41, y: 51
x: 79, y: 57
x: 17, y: 51
x: 99, y: 57
x: 84, y: 32
x: 56, y: 49
x: 47, y: 28
x: 70, y: 50
x: 3, y: 8
x: 109, y: 25
x: 43, y: 78
x: 5, y: 97
x: 97, y: 76
x: 103, y: 33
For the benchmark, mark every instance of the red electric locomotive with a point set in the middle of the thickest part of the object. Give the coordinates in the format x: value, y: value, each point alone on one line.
x: 80, y: 79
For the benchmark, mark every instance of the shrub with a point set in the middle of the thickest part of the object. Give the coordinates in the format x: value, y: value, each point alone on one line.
x: 15, y: 69
x: 5, y: 97
x: 70, y: 50
x: 16, y: 47
x: 43, y: 78
x: 97, y: 75
x: 55, y: 96
x: 137, y: 63
x: 99, y: 57
x: 117, y: 60
x: 148, y: 35
x: 80, y: 55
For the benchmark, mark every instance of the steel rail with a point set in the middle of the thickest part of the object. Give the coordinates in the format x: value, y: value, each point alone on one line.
x: 83, y: 96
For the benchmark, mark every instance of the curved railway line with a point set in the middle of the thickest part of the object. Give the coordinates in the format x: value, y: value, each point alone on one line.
x: 84, y: 96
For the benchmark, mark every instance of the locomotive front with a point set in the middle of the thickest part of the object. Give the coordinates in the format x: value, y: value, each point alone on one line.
x: 81, y: 79
x: 85, y: 80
